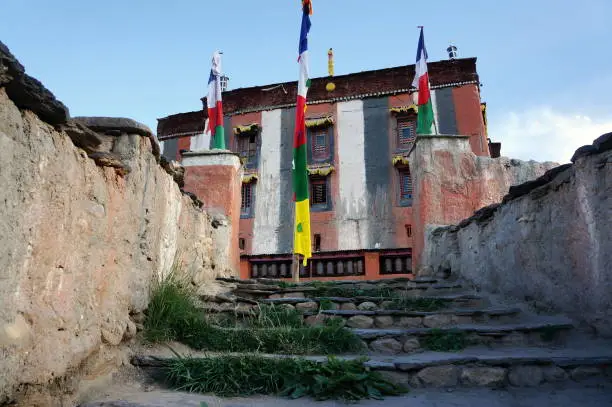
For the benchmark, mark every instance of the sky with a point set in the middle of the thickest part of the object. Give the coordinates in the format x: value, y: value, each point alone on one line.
x: 545, y: 65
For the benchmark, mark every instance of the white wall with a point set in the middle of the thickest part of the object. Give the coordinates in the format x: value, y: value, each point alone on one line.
x: 267, y: 202
x: 351, y: 211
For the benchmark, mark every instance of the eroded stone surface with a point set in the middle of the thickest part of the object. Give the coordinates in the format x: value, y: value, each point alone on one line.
x: 585, y: 372
x: 439, y: 376
x: 483, y: 376
x: 348, y: 306
x: 367, y: 306
x: 438, y: 320
x: 411, y: 344
x: 307, y: 306
x: 360, y: 321
x: 383, y: 321
x: 526, y: 376
x: 386, y: 346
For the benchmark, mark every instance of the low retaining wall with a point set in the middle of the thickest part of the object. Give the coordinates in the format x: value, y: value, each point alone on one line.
x: 548, y: 242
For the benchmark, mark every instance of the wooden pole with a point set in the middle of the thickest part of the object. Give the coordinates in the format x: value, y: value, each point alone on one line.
x: 295, y: 266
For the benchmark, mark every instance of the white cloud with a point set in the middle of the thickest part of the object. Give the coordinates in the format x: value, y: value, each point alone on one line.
x: 543, y: 134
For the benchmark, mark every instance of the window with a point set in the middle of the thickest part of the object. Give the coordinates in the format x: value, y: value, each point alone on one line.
x: 317, y: 242
x: 247, y: 148
x: 320, y: 144
x: 241, y: 243
x: 318, y: 192
x: 406, y: 131
x: 409, y: 230
x: 246, y: 207
x: 405, y: 187
x: 320, y: 141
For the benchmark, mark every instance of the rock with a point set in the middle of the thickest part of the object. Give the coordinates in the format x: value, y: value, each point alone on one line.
x: 438, y: 320
x: 483, y: 376
x: 386, y: 346
x: 526, y: 376
x: 287, y: 306
x: 138, y: 317
x: 316, y: 320
x: 104, y: 159
x: 28, y: 93
x: 87, y: 139
x: 348, y: 306
x: 293, y: 295
x: 410, y: 322
x: 123, y: 124
x: 400, y: 378
x: 603, y: 142
x: 386, y: 304
x: 439, y: 376
x: 360, y: 321
x: 585, y: 372
x: 411, y: 344
x: 367, y: 306
x: 130, y: 330
x: 274, y: 296
x: 553, y: 374
x: 383, y: 321
x: 112, y: 331
x: 175, y: 169
x: 425, y: 271
x: 584, y: 151
x: 307, y: 306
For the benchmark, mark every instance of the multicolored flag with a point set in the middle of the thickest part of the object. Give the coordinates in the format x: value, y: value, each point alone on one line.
x: 215, y: 106
x: 425, y: 116
x: 301, y: 240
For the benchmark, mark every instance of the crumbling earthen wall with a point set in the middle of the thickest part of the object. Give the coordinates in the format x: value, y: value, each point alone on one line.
x: 451, y: 182
x: 549, y: 241
x: 83, y: 234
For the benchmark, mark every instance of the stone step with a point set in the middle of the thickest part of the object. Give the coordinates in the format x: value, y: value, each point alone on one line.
x: 415, y: 319
x: 463, y: 299
x: 270, y: 291
x: 474, y: 367
x: 545, y: 331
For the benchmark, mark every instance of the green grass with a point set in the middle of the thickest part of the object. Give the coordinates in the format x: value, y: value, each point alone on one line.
x: 171, y: 304
x: 416, y: 304
x: 173, y: 315
x: 229, y: 376
x: 444, y: 341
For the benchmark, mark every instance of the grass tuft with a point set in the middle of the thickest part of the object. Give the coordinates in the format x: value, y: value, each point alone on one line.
x: 444, y: 341
x: 416, y: 304
x: 173, y: 315
x: 229, y: 376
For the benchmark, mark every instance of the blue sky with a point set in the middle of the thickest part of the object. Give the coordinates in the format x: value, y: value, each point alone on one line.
x: 545, y: 65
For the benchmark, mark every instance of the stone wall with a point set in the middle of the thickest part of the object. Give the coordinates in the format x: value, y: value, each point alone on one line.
x: 451, y: 182
x: 88, y: 220
x: 549, y: 241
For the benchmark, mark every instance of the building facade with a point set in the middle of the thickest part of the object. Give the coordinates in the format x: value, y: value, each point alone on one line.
x: 359, y: 136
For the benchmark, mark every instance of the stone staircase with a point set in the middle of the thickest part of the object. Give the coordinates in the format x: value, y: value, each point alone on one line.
x: 409, y: 326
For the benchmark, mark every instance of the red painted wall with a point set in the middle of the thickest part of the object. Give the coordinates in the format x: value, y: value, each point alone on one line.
x: 469, y: 118
x: 217, y: 187
x: 245, y: 225
x: 323, y: 223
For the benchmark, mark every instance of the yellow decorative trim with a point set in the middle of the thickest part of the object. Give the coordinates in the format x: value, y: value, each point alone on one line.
x: 322, y: 171
x: 404, y: 109
x: 249, y: 128
x: 248, y: 178
x: 400, y: 159
x: 325, y: 121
